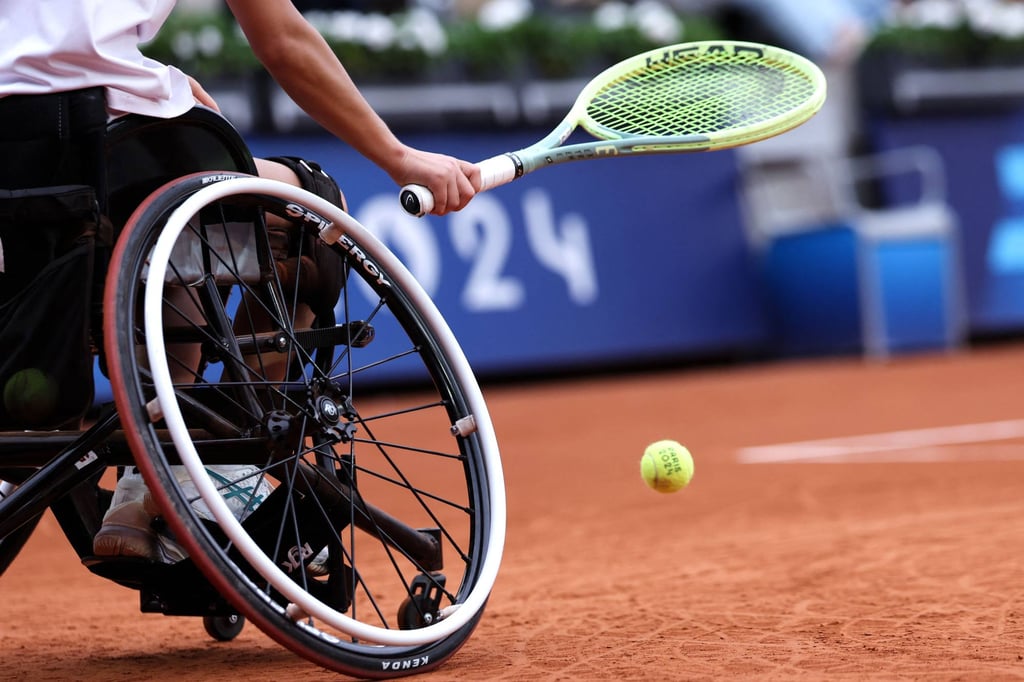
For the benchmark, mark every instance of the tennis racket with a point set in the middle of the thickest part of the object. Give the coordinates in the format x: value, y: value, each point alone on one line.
x: 691, y: 97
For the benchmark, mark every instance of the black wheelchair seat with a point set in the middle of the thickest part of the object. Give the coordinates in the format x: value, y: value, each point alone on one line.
x: 143, y: 153
x: 54, y: 244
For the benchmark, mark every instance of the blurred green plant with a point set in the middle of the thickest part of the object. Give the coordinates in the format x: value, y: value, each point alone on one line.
x: 954, y: 32
x: 203, y: 45
x: 418, y: 46
x: 959, y: 45
x: 561, y: 47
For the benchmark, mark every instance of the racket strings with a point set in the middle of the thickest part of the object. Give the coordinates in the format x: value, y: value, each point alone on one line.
x: 697, y: 97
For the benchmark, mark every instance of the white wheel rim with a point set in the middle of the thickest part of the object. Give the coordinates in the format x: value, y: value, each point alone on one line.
x: 175, y: 422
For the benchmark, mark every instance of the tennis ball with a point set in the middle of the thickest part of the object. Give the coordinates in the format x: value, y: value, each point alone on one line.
x: 666, y: 466
x: 30, y: 396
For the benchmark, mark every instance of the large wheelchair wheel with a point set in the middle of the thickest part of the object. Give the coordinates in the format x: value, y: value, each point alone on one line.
x: 338, y: 482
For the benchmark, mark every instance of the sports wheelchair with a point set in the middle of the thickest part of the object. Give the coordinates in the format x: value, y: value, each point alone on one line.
x: 381, y: 525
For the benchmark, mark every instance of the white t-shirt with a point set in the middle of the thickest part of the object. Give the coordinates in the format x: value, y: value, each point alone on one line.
x: 59, y: 45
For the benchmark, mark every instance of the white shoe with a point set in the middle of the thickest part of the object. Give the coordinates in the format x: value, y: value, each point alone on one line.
x: 127, y: 531
x: 318, y: 566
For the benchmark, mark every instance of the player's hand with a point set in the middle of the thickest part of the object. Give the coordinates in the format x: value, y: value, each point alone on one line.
x: 201, y: 95
x: 452, y: 181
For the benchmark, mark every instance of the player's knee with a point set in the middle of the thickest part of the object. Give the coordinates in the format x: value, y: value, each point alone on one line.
x: 273, y: 170
x: 306, y: 174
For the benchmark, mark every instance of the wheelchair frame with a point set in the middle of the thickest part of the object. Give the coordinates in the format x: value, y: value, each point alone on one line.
x: 373, y: 555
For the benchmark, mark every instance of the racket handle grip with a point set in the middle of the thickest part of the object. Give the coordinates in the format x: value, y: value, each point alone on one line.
x: 417, y: 200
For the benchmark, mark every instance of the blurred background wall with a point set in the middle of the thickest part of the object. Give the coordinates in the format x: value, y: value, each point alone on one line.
x: 893, y: 222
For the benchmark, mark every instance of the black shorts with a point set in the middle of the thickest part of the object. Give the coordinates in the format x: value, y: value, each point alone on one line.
x: 53, y: 139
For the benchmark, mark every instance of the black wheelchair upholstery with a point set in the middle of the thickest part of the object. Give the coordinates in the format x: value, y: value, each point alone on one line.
x: 50, y: 317
x: 143, y: 153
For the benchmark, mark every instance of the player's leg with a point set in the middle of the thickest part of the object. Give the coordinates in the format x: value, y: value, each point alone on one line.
x: 297, y: 255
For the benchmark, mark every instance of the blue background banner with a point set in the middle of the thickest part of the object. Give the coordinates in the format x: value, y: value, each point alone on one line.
x: 984, y: 166
x: 588, y: 264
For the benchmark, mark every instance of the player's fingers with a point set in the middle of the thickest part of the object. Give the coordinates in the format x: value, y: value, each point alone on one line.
x: 462, y: 187
x: 439, y: 189
x: 469, y: 183
x: 449, y: 201
x: 472, y: 173
x: 201, y: 95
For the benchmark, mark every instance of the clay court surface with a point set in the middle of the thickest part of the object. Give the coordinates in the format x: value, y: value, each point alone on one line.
x: 893, y: 551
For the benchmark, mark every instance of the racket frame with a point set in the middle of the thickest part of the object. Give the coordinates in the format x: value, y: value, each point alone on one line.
x: 552, y: 150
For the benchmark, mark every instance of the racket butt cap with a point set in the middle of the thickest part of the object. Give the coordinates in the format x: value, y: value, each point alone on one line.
x: 416, y: 200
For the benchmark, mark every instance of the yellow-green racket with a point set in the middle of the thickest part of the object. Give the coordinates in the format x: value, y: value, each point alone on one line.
x: 690, y: 97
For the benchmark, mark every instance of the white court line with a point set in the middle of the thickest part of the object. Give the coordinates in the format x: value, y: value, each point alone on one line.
x: 835, y: 448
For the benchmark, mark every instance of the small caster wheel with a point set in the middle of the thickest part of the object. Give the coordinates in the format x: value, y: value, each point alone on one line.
x: 223, y: 628
x: 414, y: 613
x: 420, y: 608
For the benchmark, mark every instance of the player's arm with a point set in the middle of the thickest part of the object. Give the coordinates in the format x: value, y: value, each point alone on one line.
x: 302, y: 63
